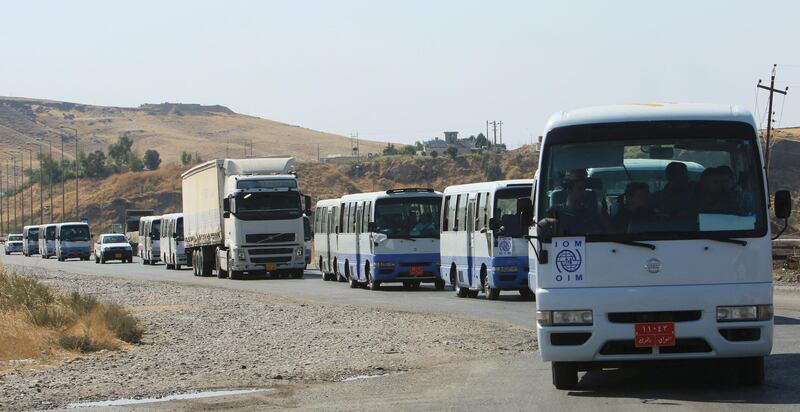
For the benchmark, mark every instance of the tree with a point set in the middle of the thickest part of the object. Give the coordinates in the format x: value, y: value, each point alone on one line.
x: 481, y: 141
x: 120, y: 152
x: 408, y: 150
x: 494, y: 172
x: 434, y: 154
x: 453, y: 152
x: 93, y: 164
x: 186, y: 158
x: 136, y: 164
x: 151, y: 159
x: 390, y: 150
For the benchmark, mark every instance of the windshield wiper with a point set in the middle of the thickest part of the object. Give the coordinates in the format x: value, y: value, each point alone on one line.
x: 405, y: 238
x: 634, y: 243
x: 727, y: 240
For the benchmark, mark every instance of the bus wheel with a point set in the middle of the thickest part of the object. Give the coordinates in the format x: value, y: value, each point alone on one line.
x: 353, y: 283
x: 527, y: 294
x: 491, y: 293
x: 372, y: 284
x: 439, y: 284
x: 297, y: 273
x: 751, y: 371
x: 460, y: 291
x: 565, y: 375
x: 325, y: 276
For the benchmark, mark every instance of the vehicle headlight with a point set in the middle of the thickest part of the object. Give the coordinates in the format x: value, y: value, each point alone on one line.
x: 299, y: 251
x: 506, y: 268
x: 565, y: 317
x: 744, y: 313
x: 239, y: 253
x: 384, y: 264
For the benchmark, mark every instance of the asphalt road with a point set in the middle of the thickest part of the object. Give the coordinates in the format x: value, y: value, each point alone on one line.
x: 518, y: 382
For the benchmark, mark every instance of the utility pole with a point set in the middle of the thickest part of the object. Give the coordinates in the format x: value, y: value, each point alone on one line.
x: 14, y: 169
x: 501, y: 132
x: 772, y: 91
x: 318, y: 160
x: 50, y: 180
x: 1, y: 202
x: 63, y: 187
x: 41, y: 187
x: 355, y: 150
x: 77, y: 178
x: 30, y: 180
x: 22, y: 186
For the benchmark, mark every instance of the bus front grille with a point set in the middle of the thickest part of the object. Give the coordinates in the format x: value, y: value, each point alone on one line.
x: 682, y: 345
x: 667, y: 316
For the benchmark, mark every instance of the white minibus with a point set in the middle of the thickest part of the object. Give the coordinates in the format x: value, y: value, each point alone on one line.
x: 390, y: 236
x: 73, y: 240
x: 172, y: 252
x: 651, y: 240
x: 47, y: 240
x: 150, y: 239
x: 482, y: 239
x: 326, y: 215
x: 30, y: 242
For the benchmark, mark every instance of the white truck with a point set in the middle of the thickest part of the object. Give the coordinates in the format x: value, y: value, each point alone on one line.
x: 244, y: 217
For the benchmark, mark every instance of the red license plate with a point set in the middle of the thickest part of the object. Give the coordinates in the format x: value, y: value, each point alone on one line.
x: 417, y: 271
x: 654, y: 334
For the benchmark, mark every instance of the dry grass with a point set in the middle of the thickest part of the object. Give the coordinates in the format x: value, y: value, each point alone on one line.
x: 36, y: 322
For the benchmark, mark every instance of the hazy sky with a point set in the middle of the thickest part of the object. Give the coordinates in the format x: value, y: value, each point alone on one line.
x: 402, y: 70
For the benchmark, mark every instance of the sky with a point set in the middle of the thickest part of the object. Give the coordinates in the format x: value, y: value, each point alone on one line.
x: 406, y: 70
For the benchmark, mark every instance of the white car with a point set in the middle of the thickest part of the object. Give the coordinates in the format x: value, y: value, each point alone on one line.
x: 112, y: 246
x: 14, y: 243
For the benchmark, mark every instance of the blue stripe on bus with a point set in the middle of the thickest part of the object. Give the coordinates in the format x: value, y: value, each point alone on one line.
x: 503, y: 281
x: 358, y: 262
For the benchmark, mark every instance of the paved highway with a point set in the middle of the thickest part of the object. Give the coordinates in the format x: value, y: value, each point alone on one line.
x: 518, y: 382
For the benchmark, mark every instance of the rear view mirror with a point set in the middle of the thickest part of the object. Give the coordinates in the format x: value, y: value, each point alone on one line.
x: 525, y: 210
x: 226, y: 205
x: 783, y: 204
x: 545, y: 228
x: 307, y: 201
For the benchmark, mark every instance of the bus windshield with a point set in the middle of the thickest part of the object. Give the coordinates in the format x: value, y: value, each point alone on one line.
x: 155, y: 229
x: 506, y: 212
x: 657, y: 181
x: 179, y: 229
x: 77, y: 233
x: 267, y: 205
x: 408, y: 217
x: 50, y: 233
x: 33, y: 235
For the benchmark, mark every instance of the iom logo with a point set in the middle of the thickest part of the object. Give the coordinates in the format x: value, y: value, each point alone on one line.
x: 568, y: 260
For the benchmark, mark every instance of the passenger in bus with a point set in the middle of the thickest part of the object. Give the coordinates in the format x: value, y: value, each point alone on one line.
x: 578, y: 215
x: 425, y: 226
x: 675, y: 199
x: 636, y: 207
x: 717, y: 194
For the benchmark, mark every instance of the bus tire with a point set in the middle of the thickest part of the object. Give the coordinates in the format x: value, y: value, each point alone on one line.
x: 353, y: 283
x: 472, y: 293
x: 751, y: 371
x: 297, y: 273
x: 460, y: 291
x: 527, y: 294
x: 439, y: 284
x: 177, y: 267
x: 492, y: 293
x: 565, y: 375
x: 372, y: 284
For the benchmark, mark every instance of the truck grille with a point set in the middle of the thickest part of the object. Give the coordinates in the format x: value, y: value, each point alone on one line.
x: 271, y: 259
x: 269, y: 238
x: 273, y: 251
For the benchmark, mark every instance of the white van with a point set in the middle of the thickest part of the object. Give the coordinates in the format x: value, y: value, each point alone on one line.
x: 30, y: 243
x: 47, y: 240
x: 150, y: 239
x: 326, y: 217
x: 173, y: 253
x: 73, y: 240
x: 652, y: 239
x: 390, y: 236
x: 482, y: 238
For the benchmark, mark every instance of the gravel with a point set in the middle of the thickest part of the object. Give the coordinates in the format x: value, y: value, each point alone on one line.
x: 200, y: 338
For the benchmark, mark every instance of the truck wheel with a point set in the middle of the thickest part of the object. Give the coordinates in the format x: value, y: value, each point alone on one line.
x: 297, y: 273
x: 439, y: 284
x: 206, y: 268
x: 565, y: 375
x: 492, y: 293
x: 751, y: 371
x: 176, y: 266
x: 96, y: 259
x: 221, y: 274
x: 527, y: 294
x: 102, y: 260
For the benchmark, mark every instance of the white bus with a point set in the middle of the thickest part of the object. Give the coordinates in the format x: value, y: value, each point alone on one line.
x: 482, y: 238
x: 390, y: 236
x: 172, y: 251
x: 150, y: 239
x: 644, y: 267
x: 73, y: 240
x: 30, y: 240
x: 326, y: 216
x: 47, y: 240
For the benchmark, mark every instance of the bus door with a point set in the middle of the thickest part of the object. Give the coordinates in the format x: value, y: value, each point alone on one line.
x: 470, y: 226
x: 357, y: 231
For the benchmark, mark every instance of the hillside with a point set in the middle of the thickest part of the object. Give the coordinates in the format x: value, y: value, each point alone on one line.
x: 169, y: 128
x: 104, y: 201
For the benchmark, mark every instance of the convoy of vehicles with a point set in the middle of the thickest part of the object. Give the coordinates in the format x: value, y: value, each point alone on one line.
x: 670, y: 259
x: 112, y: 246
x: 150, y: 239
x: 30, y: 240
x: 173, y: 253
x: 644, y: 236
x: 482, y: 242
x: 73, y: 240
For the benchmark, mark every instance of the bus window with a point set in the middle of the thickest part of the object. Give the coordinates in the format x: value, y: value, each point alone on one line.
x: 479, y: 204
x: 461, y: 213
x: 365, y: 217
x: 446, y: 218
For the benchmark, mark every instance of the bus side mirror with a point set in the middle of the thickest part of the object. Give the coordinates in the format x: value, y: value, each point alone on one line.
x: 783, y: 204
x: 493, y: 224
x: 544, y: 230
x: 525, y: 209
x: 307, y: 201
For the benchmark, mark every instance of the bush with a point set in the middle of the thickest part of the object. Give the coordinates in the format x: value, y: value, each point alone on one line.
x: 434, y: 154
x: 453, y: 152
x: 494, y: 172
x: 152, y: 159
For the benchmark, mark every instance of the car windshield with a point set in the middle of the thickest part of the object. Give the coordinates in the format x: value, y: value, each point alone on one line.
x: 77, y: 233
x: 408, y: 217
x: 506, y: 212
x: 114, y: 239
x: 50, y: 233
x: 267, y: 205
x: 683, y: 181
x: 14, y: 238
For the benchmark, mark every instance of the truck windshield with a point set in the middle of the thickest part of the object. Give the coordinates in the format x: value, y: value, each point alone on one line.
x: 661, y: 180
x: 50, y: 233
x: 505, y: 210
x: 408, y: 217
x: 114, y: 239
x: 77, y: 233
x: 179, y: 229
x: 268, y: 205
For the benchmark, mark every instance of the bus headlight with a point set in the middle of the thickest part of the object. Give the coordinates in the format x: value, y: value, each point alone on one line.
x: 383, y: 264
x: 744, y: 313
x: 513, y: 269
x: 565, y: 317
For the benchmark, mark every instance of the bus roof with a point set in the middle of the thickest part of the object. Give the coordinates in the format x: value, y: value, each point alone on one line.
x: 643, y: 112
x: 150, y: 218
x: 487, y: 186
x: 171, y: 215
x: 71, y: 224
x: 389, y: 194
x: 328, y: 202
